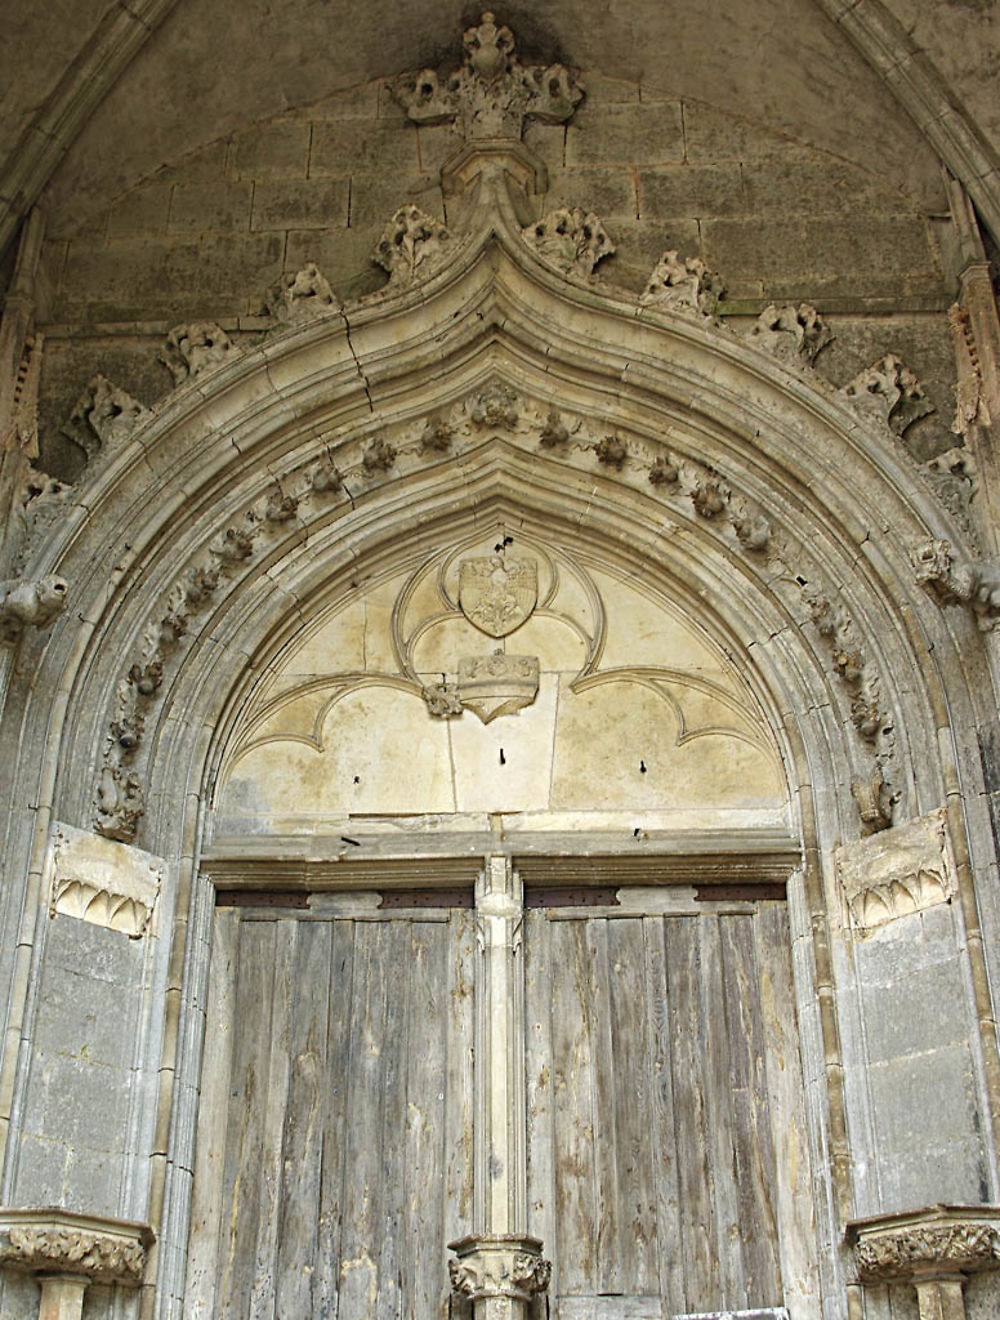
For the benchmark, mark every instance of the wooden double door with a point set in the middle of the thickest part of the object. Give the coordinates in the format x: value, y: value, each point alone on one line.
x: 662, y: 1093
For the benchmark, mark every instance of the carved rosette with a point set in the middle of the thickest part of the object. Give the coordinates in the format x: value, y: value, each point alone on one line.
x: 499, y: 1265
x: 939, y: 1241
x: 54, y: 1241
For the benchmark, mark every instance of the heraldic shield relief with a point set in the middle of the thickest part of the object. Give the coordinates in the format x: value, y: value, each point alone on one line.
x: 497, y: 594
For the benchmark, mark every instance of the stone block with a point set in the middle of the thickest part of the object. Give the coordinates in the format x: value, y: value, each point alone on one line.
x: 711, y: 135
x: 609, y: 192
x: 272, y: 151
x: 922, y: 1011
x: 626, y: 135
x: 374, y: 198
x: 202, y: 208
x: 204, y: 166
x: 343, y: 255
x: 300, y: 204
x: 93, y: 1178
x: 691, y: 190
x: 827, y: 185
x: 86, y: 1018
x: 358, y: 102
x: 353, y: 146
x: 142, y: 212
x: 41, y: 1171
x: 853, y: 252
x: 547, y: 141
x: 78, y: 1102
x: 924, y: 1102
x: 80, y: 949
x: 436, y: 143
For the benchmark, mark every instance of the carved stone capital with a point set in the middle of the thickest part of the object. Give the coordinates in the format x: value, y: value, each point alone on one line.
x: 91, y: 1247
x: 917, y: 1245
x: 499, y: 1265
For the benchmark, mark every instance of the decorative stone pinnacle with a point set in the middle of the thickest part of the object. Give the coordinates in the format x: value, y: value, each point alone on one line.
x: 492, y: 94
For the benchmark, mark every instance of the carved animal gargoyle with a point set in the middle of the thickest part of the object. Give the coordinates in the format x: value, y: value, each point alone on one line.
x: 25, y: 603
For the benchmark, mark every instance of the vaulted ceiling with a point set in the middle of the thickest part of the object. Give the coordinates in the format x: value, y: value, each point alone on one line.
x: 94, y: 98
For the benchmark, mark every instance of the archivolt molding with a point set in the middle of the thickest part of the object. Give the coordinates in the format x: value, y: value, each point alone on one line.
x: 255, y: 453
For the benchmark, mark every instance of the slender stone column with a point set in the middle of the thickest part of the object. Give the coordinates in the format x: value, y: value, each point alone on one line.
x: 499, y: 1267
x: 62, y: 1297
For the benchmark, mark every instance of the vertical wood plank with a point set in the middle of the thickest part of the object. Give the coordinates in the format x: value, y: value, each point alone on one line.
x: 572, y: 1077
x: 251, y: 1057
x: 793, y: 1177
x: 538, y: 1074
x: 754, y: 1168
x: 302, y: 1153
x: 425, y: 1131
x: 208, y: 1205
x: 697, y: 1243
x: 458, y: 1163
x: 608, y: 1265
x: 658, y: 1080
x: 326, y: 1289
x: 635, y: 1209
x: 359, y: 1273
x: 275, y: 1104
x: 387, y: 1247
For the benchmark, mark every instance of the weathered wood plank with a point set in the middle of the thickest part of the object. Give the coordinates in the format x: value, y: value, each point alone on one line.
x: 538, y: 1074
x: 697, y: 1244
x: 572, y: 1074
x: 609, y: 1268
x: 326, y: 1286
x: 244, y: 1152
x: 635, y: 1177
x: 458, y: 1164
x: 755, y: 1172
x: 659, y: 1083
x: 298, y: 1243
x: 361, y: 1228
x: 426, y: 1135
x: 714, y: 1035
x: 208, y: 1205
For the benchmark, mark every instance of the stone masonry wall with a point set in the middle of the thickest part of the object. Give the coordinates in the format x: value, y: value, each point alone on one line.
x: 207, y: 235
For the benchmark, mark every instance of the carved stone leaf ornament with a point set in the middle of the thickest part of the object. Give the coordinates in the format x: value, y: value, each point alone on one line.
x: 301, y: 297
x: 683, y: 285
x: 104, y: 416
x: 888, y: 392
x: 29, y: 603
x: 959, y: 582
x: 195, y: 348
x: 497, y: 594
x: 940, y: 1241
x: 790, y: 333
x: 570, y: 240
x: 413, y: 246
x: 492, y: 94
x: 62, y: 1242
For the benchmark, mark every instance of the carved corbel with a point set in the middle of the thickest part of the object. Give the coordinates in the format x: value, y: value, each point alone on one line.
x: 67, y: 1252
x: 28, y: 603
x: 413, y: 246
x: 301, y: 297
x: 793, y: 334
x: 933, y: 1249
x: 952, y: 581
x: 889, y: 393
x: 683, y: 285
x: 570, y: 240
x: 194, y: 348
x: 103, y: 417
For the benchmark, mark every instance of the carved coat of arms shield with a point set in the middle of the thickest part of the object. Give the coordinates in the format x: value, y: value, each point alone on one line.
x: 497, y: 594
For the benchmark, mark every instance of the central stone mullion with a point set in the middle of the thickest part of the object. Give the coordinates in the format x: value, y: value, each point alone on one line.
x: 501, y: 1173
x: 498, y: 1266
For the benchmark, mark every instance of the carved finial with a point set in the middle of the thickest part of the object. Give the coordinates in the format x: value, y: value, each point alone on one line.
x: 103, y: 417
x: 196, y: 347
x: 300, y: 297
x: 791, y: 333
x: 25, y: 604
x: 492, y: 94
x: 684, y: 285
x: 571, y: 240
x: 888, y: 392
x: 956, y: 582
x: 413, y: 245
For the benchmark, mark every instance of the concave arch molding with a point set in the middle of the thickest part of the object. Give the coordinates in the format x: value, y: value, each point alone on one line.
x: 234, y: 455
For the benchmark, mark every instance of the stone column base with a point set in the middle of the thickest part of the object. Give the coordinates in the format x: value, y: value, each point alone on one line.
x: 501, y: 1273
